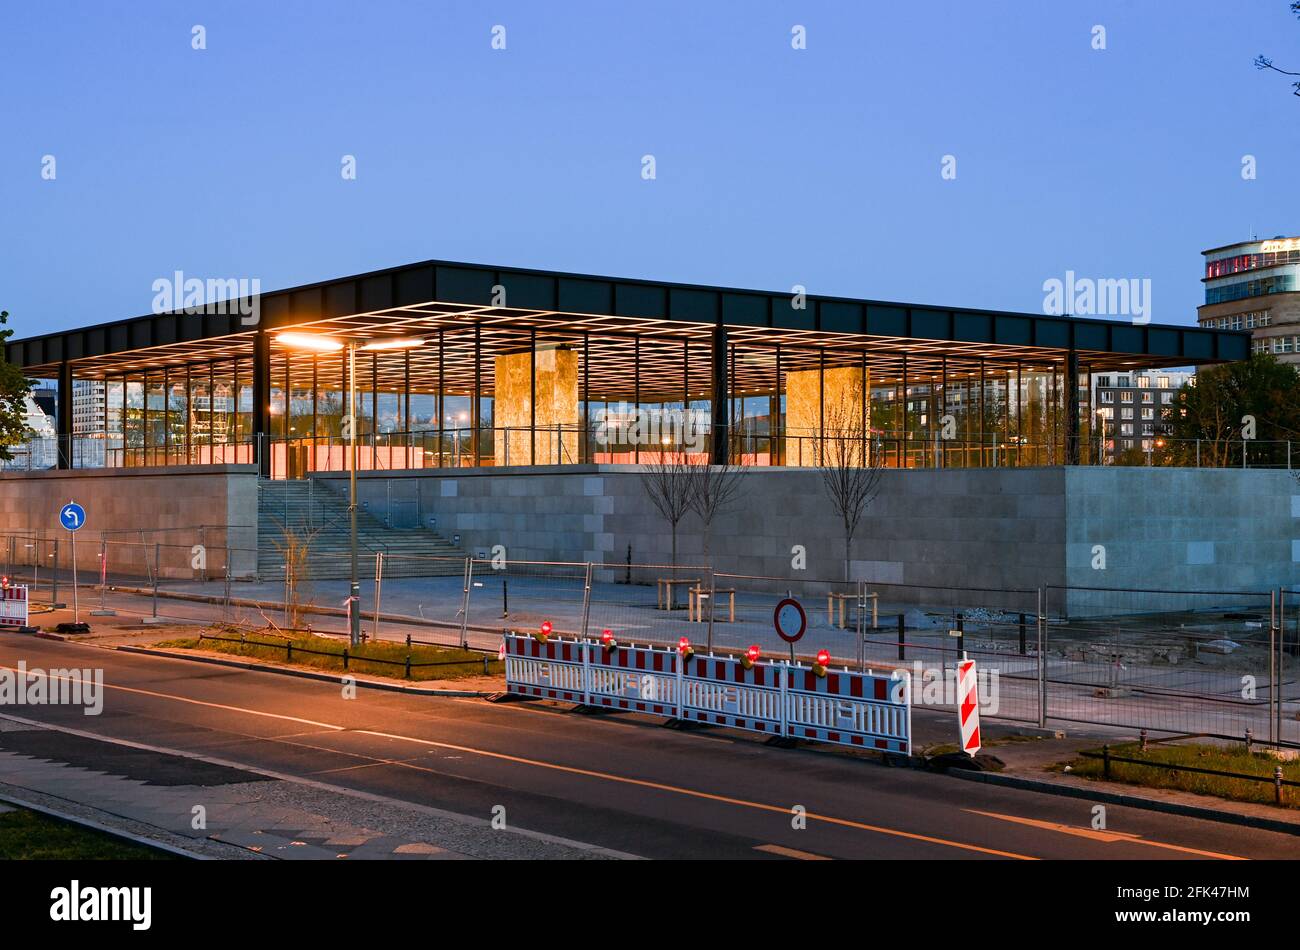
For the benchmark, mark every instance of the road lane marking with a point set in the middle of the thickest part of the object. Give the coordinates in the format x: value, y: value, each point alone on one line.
x: 589, y: 773
x: 791, y: 853
x: 323, y: 786
x: 1109, y: 837
x: 693, y: 793
x: 186, y: 699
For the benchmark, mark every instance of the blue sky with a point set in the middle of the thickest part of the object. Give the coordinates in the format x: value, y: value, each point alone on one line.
x: 775, y: 166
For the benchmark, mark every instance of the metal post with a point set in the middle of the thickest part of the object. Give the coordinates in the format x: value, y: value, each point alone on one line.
x: 1281, y: 653
x: 902, y: 650
x: 713, y: 590
x: 1282, y: 640
x: 54, y: 574
x: 961, y: 636
x: 464, y: 607
x: 1022, y: 634
x: 862, y: 619
x: 1272, y: 667
x: 586, y: 600
x: 354, y: 591
x: 1042, y: 664
x: 103, y: 575
x: 379, y: 580
x: 157, y: 551
x: 76, y: 607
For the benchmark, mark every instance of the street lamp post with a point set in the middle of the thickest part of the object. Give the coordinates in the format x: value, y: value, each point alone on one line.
x: 354, y: 590
x: 326, y: 344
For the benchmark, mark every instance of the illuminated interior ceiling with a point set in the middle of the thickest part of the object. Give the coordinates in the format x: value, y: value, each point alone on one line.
x: 620, y: 355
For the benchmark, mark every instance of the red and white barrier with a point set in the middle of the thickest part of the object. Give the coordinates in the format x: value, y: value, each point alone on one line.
x: 13, y: 606
x: 865, y: 710
x: 968, y: 706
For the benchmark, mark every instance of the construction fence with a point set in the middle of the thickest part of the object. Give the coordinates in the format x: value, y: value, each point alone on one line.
x: 1218, y: 663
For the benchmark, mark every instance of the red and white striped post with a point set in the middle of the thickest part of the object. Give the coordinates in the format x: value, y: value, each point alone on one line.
x: 968, y: 706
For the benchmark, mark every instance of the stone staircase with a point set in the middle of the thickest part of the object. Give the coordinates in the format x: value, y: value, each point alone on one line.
x: 319, y: 517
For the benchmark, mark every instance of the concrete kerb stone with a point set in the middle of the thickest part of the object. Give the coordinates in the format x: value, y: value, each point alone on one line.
x: 104, y: 829
x: 302, y: 674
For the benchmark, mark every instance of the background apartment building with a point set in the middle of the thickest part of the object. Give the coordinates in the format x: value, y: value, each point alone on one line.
x: 1129, y: 407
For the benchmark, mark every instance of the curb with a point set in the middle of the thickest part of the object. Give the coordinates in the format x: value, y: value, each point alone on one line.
x: 105, y: 829
x: 302, y: 674
x: 1131, y: 801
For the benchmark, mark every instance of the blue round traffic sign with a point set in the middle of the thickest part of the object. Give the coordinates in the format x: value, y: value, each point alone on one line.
x: 72, y: 516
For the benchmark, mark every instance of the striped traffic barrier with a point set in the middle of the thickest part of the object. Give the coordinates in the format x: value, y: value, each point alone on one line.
x: 634, y: 679
x: 968, y: 706
x: 865, y: 710
x: 545, y: 669
x: 778, y: 698
x: 13, y: 605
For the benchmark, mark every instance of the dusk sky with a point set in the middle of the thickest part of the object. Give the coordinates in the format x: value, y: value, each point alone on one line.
x: 774, y: 166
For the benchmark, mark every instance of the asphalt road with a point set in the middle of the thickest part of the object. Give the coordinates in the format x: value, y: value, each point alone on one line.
x: 619, y: 783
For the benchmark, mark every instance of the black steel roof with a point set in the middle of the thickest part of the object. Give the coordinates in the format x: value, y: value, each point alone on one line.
x: 467, y: 289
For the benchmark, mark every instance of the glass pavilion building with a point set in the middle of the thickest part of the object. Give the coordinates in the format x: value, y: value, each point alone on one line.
x: 467, y: 365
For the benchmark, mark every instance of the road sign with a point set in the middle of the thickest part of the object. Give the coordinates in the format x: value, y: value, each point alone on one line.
x: 72, y: 516
x: 968, y: 706
x: 790, y: 620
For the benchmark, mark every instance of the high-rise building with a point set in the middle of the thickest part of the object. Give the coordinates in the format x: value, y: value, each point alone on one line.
x: 1255, y: 286
x: 88, y: 406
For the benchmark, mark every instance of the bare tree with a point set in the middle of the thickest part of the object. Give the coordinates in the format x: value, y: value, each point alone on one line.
x: 667, y: 482
x: 850, y: 470
x: 1264, y: 62
x: 713, y: 490
x: 294, y: 545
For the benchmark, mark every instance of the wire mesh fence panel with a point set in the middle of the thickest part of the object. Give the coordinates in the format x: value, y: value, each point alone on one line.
x: 1213, y: 662
x: 648, y: 603
x: 524, y: 595
x: 928, y: 629
x: 419, y: 595
x: 743, y: 612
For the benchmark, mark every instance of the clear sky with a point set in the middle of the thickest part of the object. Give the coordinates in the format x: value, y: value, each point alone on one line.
x: 774, y: 166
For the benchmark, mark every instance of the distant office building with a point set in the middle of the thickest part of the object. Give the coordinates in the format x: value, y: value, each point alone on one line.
x: 1255, y: 286
x: 88, y: 406
x: 1130, y: 407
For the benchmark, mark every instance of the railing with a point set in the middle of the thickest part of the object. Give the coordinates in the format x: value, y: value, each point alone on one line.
x: 299, y: 456
x: 1276, y: 779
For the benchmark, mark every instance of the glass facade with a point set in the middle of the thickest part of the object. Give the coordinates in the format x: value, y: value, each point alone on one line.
x: 606, y: 401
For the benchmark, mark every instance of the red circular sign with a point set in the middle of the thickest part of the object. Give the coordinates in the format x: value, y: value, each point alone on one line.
x: 790, y: 620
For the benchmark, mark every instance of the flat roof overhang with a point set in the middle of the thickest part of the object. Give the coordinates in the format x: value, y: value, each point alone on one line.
x: 458, y: 300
